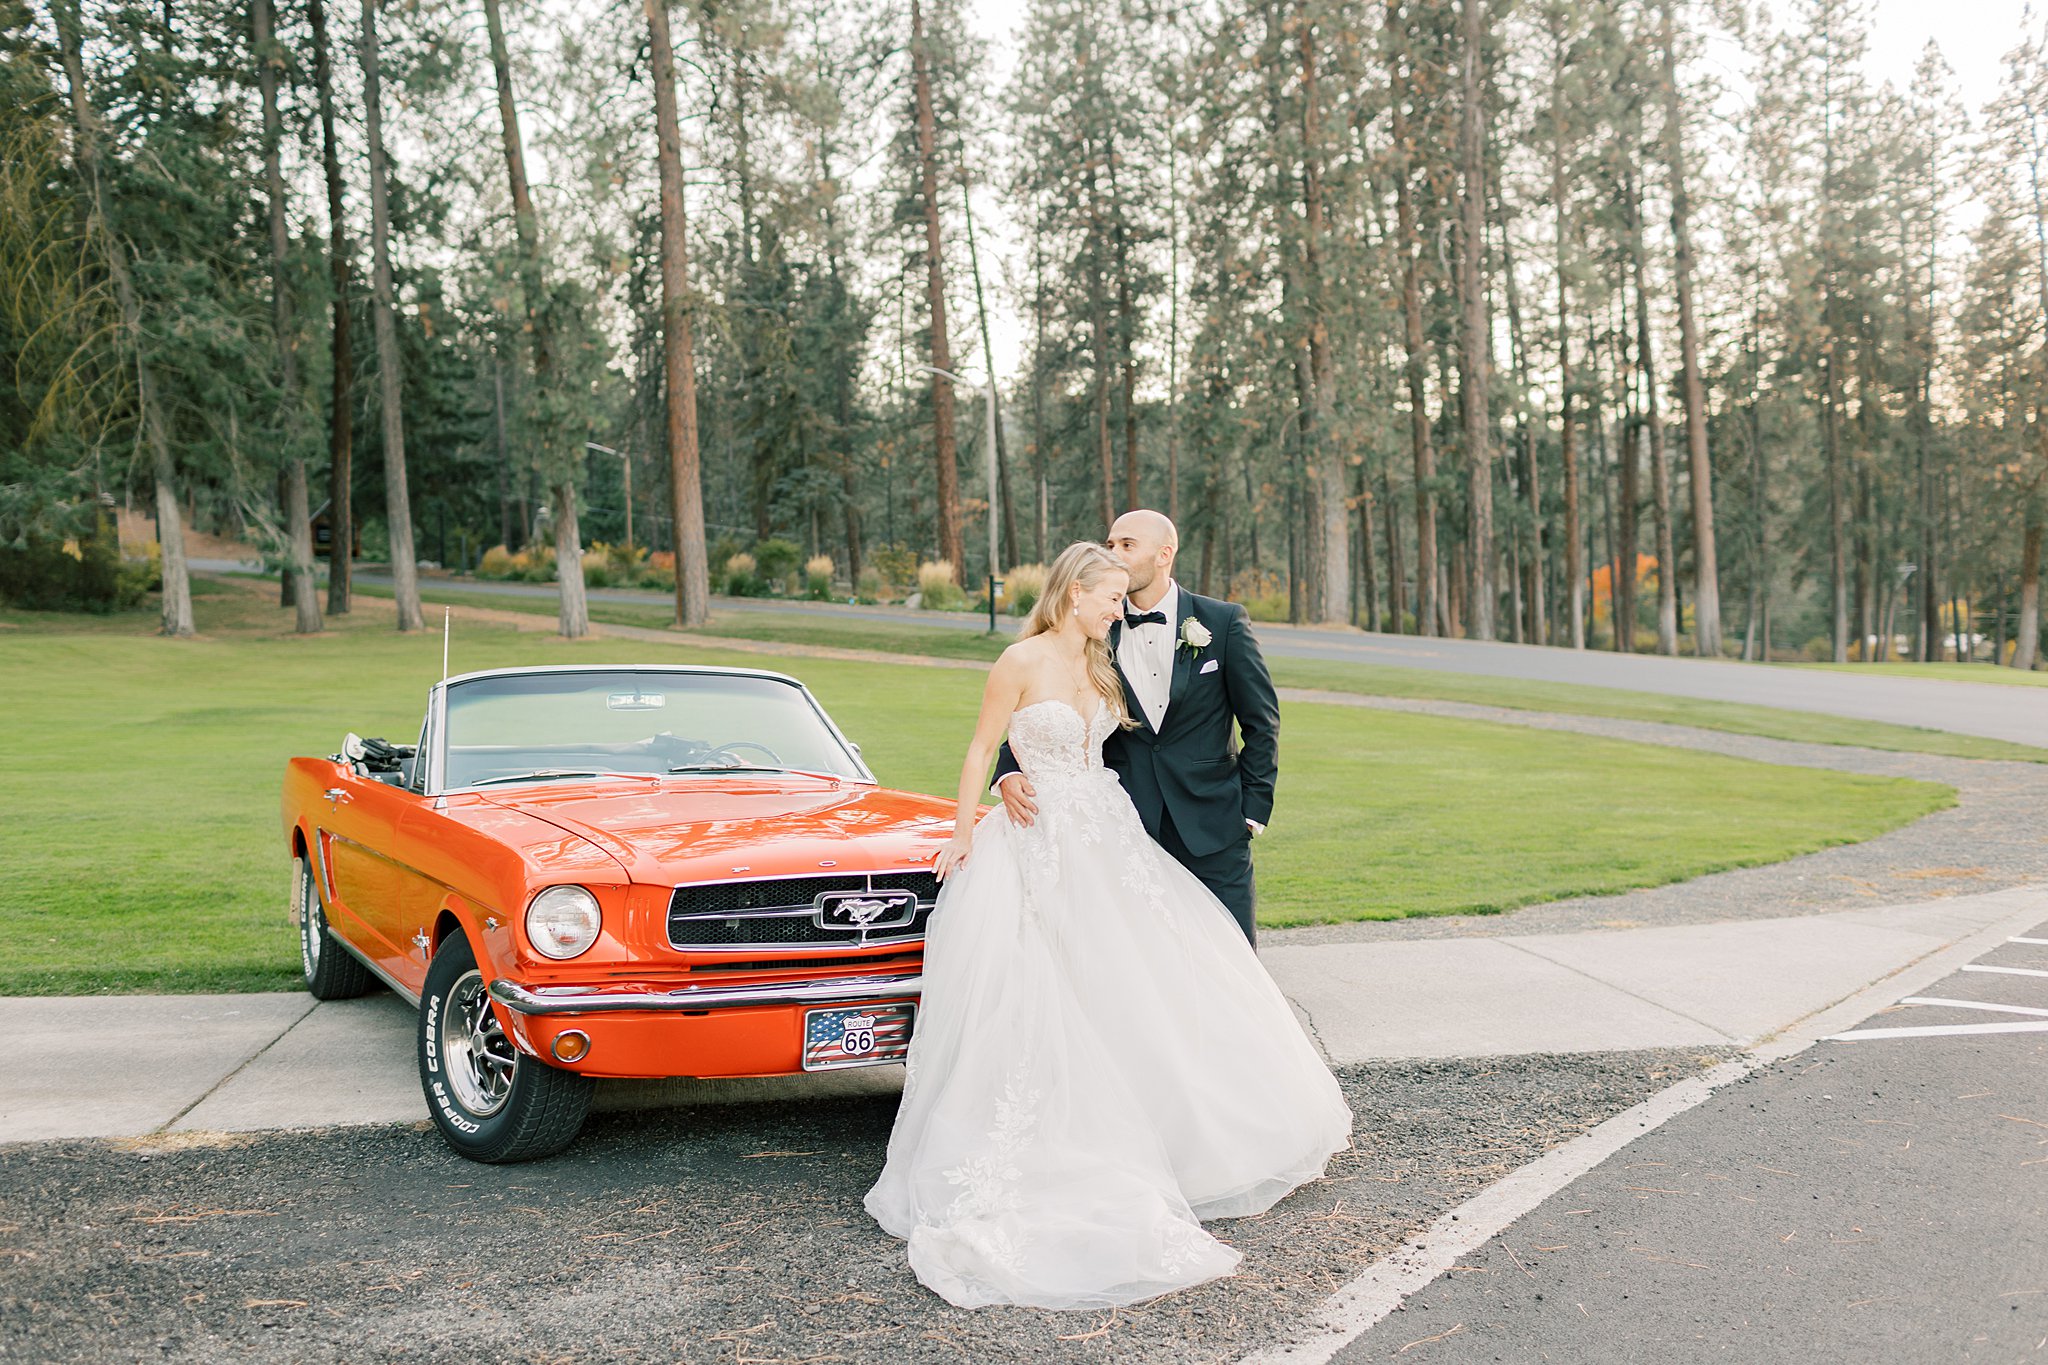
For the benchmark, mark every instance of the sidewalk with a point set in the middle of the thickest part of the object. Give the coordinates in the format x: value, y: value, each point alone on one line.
x: 130, y: 1066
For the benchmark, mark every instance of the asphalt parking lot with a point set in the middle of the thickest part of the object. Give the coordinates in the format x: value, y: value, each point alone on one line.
x: 1879, y: 1196
x: 731, y: 1234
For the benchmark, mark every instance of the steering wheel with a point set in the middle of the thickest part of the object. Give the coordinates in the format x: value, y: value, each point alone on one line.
x: 727, y: 750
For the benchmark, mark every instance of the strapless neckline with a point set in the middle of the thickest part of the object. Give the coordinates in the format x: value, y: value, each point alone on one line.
x: 1062, y: 701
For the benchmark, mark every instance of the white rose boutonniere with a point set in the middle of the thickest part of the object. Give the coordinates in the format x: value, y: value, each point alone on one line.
x: 1194, y: 636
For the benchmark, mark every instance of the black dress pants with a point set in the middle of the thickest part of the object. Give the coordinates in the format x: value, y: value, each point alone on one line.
x: 1227, y: 873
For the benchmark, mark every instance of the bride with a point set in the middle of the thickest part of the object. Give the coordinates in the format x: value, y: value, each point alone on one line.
x: 1100, y: 1060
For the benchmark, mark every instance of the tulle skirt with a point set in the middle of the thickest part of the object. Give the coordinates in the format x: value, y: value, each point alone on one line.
x: 1100, y: 1062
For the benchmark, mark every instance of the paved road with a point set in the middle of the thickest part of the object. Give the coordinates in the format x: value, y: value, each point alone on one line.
x: 1876, y: 1197
x: 2016, y: 714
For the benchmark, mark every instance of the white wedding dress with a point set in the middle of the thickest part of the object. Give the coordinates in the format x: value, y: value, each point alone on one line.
x: 1100, y: 1060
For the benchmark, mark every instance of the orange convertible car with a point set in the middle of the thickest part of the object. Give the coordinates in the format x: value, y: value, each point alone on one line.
x: 613, y: 871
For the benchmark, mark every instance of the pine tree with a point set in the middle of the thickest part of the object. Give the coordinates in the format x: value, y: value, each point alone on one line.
x: 398, y: 505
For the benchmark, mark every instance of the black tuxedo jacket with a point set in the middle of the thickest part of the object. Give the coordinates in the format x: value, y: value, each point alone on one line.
x: 1192, y: 767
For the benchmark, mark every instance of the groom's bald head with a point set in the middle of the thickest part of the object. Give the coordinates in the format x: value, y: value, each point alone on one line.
x: 1145, y: 541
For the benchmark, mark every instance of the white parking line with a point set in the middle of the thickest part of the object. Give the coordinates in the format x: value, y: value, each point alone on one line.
x: 2004, y: 971
x: 1352, y: 1310
x: 1973, y: 1005
x: 1936, y: 1031
x: 2043, y: 941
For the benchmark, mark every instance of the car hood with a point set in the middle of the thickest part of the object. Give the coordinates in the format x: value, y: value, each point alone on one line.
x: 704, y: 829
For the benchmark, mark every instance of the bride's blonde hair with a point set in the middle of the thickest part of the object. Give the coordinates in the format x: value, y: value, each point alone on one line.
x: 1082, y: 565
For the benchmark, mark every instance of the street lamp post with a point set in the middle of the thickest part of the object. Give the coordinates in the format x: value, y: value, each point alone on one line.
x: 625, y: 463
x: 988, y: 403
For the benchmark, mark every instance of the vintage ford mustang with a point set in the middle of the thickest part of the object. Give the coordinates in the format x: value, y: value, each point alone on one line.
x: 613, y: 871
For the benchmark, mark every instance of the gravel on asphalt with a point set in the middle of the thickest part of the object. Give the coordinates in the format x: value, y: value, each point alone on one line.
x: 716, y: 1233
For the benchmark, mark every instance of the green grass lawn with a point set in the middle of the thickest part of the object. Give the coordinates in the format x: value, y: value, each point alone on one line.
x: 140, y: 843
x: 1377, y: 680
x: 1949, y: 672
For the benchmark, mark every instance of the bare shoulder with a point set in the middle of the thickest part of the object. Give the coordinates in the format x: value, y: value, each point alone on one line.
x: 1024, y: 655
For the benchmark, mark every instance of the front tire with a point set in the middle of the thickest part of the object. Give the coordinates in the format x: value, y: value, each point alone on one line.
x: 330, y: 971
x: 490, y: 1101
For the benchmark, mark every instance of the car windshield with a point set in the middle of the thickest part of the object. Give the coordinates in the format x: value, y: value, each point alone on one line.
x: 589, y: 724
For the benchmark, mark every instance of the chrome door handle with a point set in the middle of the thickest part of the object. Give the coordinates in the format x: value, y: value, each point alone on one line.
x: 337, y: 796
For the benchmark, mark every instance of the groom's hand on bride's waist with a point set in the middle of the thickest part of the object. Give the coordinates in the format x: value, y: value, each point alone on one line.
x: 1017, y: 791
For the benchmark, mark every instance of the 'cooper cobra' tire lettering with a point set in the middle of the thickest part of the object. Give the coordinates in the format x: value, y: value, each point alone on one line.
x: 490, y: 1101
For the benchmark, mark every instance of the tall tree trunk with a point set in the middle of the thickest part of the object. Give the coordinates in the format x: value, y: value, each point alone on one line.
x: 679, y: 362
x: 170, y: 526
x: 1365, y: 603
x: 507, y: 535
x: 1623, y: 584
x: 947, y: 514
x: 1397, y: 598
x: 299, y: 587
x: 574, y: 610
x: 988, y: 355
x: 1474, y: 352
x: 1330, y: 528
x: 2026, y: 650
x: 1660, y: 467
x: 1604, y: 483
x: 1417, y: 347
x: 390, y: 381
x: 1126, y: 329
x: 1173, y: 326
x: 1038, y: 461
x: 1529, y: 592
x: 1706, y: 593
x: 1098, y: 325
x: 341, y: 519
x: 1838, y: 567
x: 1568, y: 448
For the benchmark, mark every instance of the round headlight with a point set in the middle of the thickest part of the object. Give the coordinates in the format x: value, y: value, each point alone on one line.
x: 563, y: 921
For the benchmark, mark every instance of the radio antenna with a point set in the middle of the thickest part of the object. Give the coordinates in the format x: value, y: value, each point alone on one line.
x: 445, y: 613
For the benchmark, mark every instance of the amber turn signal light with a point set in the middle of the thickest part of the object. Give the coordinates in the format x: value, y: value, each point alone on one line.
x: 571, y: 1046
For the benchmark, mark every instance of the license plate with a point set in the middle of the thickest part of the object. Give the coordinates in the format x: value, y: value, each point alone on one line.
x: 856, y: 1035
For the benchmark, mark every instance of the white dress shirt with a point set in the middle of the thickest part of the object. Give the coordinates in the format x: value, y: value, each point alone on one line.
x: 1146, y: 655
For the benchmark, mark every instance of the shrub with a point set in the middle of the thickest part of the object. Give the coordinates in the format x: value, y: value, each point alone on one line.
x: 818, y: 578
x: 936, y: 589
x: 898, y: 567
x: 536, y: 564
x: 740, y: 578
x: 1263, y: 593
x: 1267, y: 607
x: 1023, y: 585
x: 718, y: 552
x: 869, y: 586
x: 597, y: 568
x: 498, y: 562
x: 88, y: 574
x: 778, y: 559
x: 622, y: 561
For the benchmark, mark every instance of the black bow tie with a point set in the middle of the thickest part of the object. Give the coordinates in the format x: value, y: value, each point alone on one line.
x: 1145, y: 618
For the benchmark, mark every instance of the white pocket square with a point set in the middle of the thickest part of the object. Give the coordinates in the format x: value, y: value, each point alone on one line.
x: 1209, y: 667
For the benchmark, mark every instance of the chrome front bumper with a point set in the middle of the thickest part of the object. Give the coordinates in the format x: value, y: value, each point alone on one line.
x: 596, y: 999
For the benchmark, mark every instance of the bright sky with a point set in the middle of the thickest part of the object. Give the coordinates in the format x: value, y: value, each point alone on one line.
x: 1974, y: 36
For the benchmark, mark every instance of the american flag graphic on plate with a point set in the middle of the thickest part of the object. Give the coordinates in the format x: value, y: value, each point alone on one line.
x: 857, y: 1035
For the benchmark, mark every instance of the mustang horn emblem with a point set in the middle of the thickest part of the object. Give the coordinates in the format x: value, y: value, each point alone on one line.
x: 865, y: 912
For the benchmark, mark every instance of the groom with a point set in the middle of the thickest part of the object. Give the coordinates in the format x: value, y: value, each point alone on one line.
x: 1190, y: 667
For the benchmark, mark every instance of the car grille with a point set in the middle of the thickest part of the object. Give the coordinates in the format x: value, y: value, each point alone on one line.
x: 780, y: 913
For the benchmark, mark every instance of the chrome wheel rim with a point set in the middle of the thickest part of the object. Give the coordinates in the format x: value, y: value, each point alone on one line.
x: 312, y: 924
x: 476, y: 1055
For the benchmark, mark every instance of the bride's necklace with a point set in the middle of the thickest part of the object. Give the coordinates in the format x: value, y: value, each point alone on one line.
x: 1083, y: 683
